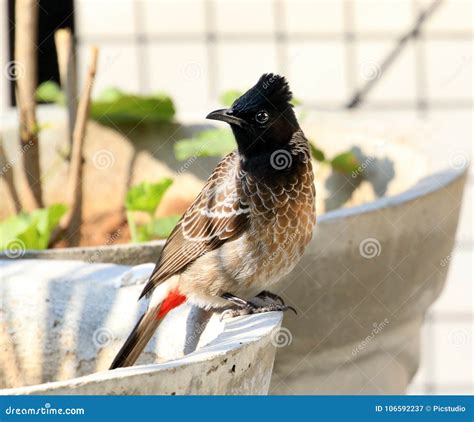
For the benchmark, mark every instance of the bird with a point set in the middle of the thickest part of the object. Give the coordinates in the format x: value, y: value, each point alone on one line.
x: 249, y: 225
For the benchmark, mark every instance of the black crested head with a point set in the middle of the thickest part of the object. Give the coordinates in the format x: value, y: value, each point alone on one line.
x: 262, y: 119
x: 270, y: 91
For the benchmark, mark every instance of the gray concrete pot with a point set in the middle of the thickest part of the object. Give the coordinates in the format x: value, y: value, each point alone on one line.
x: 370, y: 272
x: 59, y: 335
x: 363, y: 288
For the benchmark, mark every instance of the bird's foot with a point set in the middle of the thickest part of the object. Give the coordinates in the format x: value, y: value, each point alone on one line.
x: 265, y: 294
x: 244, y: 307
x: 253, y: 309
x: 271, y: 307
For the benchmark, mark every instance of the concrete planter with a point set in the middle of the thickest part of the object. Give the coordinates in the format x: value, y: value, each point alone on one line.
x: 370, y: 272
x: 59, y: 335
x: 363, y: 288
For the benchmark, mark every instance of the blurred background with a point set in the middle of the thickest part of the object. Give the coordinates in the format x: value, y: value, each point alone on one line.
x: 404, y: 59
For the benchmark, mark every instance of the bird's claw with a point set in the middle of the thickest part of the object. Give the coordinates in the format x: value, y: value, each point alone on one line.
x: 279, y: 307
x: 266, y: 294
x: 250, y: 310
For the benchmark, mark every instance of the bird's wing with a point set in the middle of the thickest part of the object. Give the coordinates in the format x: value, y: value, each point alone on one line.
x: 218, y: 214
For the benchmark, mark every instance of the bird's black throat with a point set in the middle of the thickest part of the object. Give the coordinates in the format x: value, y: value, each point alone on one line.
x: 273, y: 164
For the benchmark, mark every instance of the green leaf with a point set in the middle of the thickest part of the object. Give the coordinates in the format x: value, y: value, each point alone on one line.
x: 228, y: 97
x: 142, y: 234
x: 113, y: 104
x: 317, y: 153
x: 46, y: 220
x: 147, y: 196
x: 161, y: 228
x: 345, y: 162
x: 208, y: 143
x: 110, y: 94
x: 33, y: 230
x: 12, y: 228
x: 50, y: 92
x: 118, y: 106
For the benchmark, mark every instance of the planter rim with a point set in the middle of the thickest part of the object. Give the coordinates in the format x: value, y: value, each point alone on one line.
x: 237, y: 333
x: 427, y: 185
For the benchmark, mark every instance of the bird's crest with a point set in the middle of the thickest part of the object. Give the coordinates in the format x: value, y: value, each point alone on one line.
x: 270, y: 90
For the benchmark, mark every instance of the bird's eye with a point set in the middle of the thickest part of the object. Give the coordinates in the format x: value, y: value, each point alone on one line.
x: 262, y: 117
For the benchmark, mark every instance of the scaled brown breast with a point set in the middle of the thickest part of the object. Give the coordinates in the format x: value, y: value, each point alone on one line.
x: 282, y: 213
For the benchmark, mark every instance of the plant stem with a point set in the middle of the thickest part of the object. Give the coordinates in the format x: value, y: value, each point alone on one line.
x: 150, y: 225
x: 67, y: 72
x: 132, y: 226
x: 74, y: 189
x: 25, y: 67
x: 6, y: 173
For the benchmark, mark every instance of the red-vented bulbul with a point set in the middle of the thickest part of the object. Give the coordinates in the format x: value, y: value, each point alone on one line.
x: 249, y: 225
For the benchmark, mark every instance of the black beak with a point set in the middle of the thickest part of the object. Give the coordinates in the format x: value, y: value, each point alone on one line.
x: 225, y: 115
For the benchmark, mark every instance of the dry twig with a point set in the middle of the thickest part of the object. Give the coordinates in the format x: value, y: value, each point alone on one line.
x: 72, y: 222
x: 67, y: 72
x: 6, y: 172
x: 26, y: 28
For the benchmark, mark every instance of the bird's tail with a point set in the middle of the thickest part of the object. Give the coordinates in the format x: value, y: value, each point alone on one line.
x: 146, y: 326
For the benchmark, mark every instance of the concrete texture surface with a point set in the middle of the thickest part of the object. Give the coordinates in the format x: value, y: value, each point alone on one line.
x: 59, y: 335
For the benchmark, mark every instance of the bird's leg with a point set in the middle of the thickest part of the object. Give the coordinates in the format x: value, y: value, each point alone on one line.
x: 245, y: 307
x: 264, y: 294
